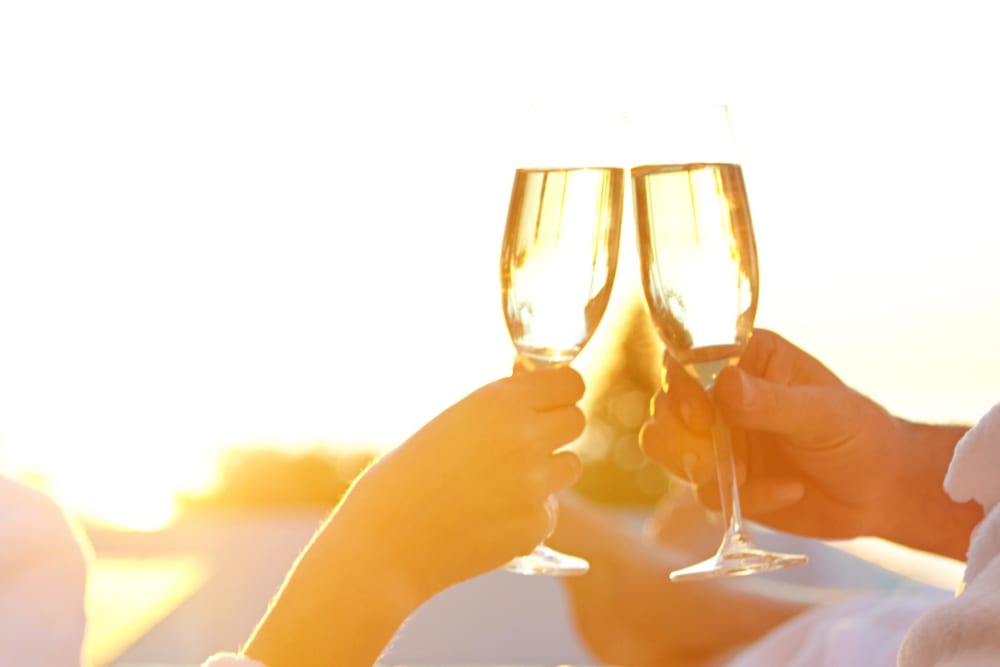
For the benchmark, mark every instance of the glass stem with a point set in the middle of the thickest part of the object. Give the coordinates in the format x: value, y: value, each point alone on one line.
x: 728, y: 488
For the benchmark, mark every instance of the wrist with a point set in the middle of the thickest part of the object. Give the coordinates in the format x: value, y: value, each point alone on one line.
x: 920, y: 514
x: 374, y: 548
x: 341, y: 604
x: 888, y: 517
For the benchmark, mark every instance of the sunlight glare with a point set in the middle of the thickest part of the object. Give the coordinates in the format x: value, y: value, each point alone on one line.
x: 556, y: 272
x: 295, y: 239
x: 703, y: 259
x: 128, y: 488
x: 135, y: 505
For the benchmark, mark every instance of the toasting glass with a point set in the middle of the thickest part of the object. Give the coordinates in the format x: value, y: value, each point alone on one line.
x: 557, y: 266
x: 698, y: 260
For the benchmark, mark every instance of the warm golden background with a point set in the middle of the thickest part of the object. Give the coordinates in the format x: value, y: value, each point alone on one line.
x: 229, y: 224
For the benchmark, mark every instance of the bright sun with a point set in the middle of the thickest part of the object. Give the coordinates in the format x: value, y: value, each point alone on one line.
x: 137, y: 504
x: 232, y: 244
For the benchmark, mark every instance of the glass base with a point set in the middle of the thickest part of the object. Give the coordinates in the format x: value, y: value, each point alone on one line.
x: 738, y: 562
x: 544, y: 560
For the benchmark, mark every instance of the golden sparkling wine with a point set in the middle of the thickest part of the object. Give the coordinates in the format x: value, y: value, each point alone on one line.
x: 698, y: 261
x: 557, y: 264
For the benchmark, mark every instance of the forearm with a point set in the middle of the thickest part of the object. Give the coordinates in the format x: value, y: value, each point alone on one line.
x: 629, y: 612
x: 921, y: 515
x: 340, y: 605
x: 713, y: 619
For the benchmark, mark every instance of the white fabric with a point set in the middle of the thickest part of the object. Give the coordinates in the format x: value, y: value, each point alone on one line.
x: 984, y: 546
x: 974, y: 473
x: 43, y: 565
x: 866, y: 630
x: 917, y: 626
x: 965, y: 631
x: 231, y: 660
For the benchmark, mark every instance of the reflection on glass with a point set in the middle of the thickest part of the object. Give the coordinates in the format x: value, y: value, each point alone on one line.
x: 699, y: 273
x: 557, y: 266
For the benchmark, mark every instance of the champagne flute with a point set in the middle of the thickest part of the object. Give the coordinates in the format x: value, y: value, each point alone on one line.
x: 557, y: 265
x: 698, y: 260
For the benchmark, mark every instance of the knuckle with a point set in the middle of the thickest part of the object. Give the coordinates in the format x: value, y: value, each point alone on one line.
x: 529, y: 432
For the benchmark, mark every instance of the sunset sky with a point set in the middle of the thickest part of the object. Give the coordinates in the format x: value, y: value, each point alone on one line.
x: 232, y: 223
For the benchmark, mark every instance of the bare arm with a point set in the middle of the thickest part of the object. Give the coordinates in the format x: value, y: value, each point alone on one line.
x: 814, y: 456
x: 462, y: 496
x: 340, y: 605
x: 628, y: 612
x: 924, y: 517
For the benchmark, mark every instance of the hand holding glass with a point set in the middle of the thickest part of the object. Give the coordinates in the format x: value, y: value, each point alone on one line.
x: 557, y: 266
x: 698, y: 260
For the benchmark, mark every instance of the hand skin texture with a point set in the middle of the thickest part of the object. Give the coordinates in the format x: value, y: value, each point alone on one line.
x: 814, y: 457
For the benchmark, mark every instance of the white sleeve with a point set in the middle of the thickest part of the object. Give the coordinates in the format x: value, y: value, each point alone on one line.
x: 44, y: 559
x: 865, y: 630
x: 974, y: 473
x: 231, y: 660
x: 965, y: 631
